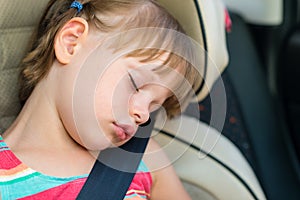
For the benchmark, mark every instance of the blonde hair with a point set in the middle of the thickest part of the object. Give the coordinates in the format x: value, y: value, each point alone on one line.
x: 126, y: 15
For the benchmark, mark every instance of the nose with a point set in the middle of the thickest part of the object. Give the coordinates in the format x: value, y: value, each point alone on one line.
x: 140, y: 115
x: 139, y: 108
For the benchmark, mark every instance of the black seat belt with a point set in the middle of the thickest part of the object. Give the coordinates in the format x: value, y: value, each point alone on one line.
x: 115, y: 168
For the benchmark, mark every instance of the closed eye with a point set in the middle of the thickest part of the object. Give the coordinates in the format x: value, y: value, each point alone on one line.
x: 133, y: 82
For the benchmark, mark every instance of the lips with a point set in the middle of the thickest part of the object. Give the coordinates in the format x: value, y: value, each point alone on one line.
x: 124, y: 131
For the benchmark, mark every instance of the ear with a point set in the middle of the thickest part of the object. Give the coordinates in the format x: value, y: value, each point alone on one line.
x: 70, y: 38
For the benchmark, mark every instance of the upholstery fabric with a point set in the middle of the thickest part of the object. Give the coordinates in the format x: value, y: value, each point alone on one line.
x: 17, y: 19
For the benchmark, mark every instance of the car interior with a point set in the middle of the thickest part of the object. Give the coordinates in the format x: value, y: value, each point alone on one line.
x: 240, y: 139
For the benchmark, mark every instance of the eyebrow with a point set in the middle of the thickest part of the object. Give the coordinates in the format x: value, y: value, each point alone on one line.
x: 133, y: 82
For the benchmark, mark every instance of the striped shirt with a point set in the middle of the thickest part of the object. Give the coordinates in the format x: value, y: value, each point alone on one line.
x: 18, y: 181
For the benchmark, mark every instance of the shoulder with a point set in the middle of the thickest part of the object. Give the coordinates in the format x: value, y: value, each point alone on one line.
x: 7, y: 158
x: 165, y: 179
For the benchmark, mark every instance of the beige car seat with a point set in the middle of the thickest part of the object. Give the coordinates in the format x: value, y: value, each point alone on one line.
x: 210, y: 165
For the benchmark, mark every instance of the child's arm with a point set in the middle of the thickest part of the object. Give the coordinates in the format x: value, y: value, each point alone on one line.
x: 166, y: 184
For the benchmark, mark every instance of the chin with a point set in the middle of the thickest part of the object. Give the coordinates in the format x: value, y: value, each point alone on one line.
x: 93, y: 145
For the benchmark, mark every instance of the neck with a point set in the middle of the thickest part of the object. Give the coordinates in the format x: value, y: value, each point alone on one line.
x: 38, y: 125
x: 39, y: 139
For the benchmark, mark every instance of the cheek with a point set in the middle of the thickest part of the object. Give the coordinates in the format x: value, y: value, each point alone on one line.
x: 112, y: 97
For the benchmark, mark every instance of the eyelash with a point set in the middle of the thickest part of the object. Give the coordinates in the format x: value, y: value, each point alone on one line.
x: 133, y: 82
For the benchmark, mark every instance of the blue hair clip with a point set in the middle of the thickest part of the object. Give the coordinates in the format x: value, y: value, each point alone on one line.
x: 77, y: 5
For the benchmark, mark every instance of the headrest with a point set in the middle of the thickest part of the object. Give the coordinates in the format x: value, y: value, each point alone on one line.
x: 204, y: 21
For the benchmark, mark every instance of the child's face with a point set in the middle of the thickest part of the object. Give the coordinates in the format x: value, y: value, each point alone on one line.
x: 101, y: 103
x: 126, y: 93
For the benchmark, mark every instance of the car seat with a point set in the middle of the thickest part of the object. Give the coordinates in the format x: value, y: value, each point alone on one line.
x: 206, y: 160
x: 210, y: 165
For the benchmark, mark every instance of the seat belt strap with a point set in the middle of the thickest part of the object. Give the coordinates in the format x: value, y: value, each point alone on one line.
x: 115, y: 168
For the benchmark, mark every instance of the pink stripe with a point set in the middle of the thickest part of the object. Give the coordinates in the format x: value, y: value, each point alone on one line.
x: 8, y: 160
